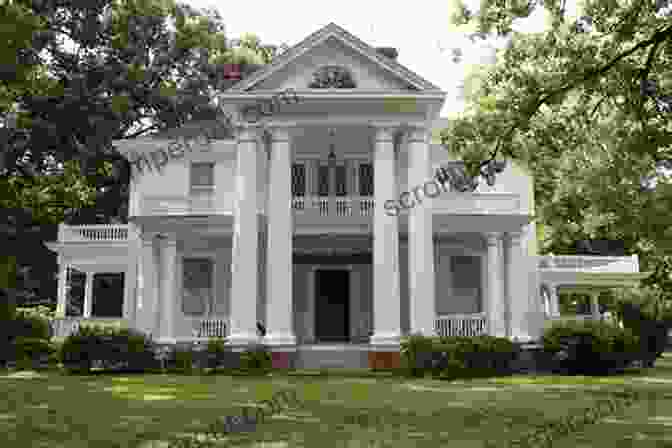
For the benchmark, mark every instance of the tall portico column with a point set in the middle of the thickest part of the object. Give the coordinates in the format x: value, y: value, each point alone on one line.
x: 88, y: 294
x: 167, y: 289
x: 386, y: 300
x: 243, y: 317
x: 62, y: 287
x: 279, y: 260
x: 420, y: 238
x: 496, y: 309
x: 517, y: 288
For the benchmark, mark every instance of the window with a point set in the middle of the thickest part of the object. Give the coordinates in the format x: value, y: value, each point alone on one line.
x: 202, y: 176
x: 298, y: 179
x: 365, y: 179
x: 466, y: 280
x: 323, y: 181
x: 341, y: 181
x: 197, y: 298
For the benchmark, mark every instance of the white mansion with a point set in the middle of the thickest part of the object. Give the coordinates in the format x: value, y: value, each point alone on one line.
x: 285, y: 223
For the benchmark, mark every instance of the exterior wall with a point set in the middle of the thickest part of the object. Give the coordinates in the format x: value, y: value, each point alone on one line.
x: 448, y: 300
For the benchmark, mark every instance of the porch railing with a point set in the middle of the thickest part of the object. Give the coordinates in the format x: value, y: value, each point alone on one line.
x: 461, y: 325
x: 65, y: 326
x: 333, y: 205
x: 211, y: 328
x: 93, y: 232
x: 588, y: 263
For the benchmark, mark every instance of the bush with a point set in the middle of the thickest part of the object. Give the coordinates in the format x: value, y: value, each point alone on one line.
x: 112, y: 347
x: 457, y: 357
x: 28, y: 324
x: 216, y: 351
x: 591, y: 347
x: 33, y: 351
x: 647, y: 312
x: 256, y: 360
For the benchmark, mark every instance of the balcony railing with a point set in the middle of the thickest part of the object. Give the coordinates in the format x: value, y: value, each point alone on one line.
x: 333, y: 206
x: 587, y: 263
x: 461, y: 325
x: 89, y: 233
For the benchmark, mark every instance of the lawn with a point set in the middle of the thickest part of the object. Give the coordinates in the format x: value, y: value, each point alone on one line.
x: 104, y: 411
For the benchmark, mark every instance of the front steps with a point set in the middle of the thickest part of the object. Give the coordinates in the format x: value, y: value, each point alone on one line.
x: 332, y: 356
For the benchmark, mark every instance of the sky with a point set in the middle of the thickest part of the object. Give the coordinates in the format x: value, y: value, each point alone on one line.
x: 420, y: 33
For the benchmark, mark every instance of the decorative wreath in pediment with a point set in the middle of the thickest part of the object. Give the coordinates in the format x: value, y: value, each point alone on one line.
x: 332, y: 77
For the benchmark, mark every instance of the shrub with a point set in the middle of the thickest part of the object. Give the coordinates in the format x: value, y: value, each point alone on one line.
x: 217, y: 351
x: 256, y: 360
x: 112, y: 347
x: 30, y: 351
x: 28, y: 324
x: 647, y: 312
x: 457, y: 357
x: 591, y: 347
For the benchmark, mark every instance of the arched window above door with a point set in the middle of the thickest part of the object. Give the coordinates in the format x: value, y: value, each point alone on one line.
x: 332, y: 77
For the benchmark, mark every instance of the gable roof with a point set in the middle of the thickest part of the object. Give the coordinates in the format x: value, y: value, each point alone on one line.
x: 349, y: 40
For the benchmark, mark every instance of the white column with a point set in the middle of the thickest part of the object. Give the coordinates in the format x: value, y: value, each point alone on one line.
x: 147, y: 287
x: 244, y: 287
x: 168, y: 254
x: 421, y: 278
x: 279, y: 272
x: 386, y: 300
x: 88, y: 294
x: 555, y: 304
x: 516, y: 278
x: 495, y: 305
x: 595, y: 304
x: 62, y: 287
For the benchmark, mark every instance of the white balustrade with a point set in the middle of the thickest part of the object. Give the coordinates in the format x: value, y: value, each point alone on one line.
x: 461, y: 325
x: 333, y: 206
x: 97, y: 232
x: 211, y: 328
x: 590, y: 263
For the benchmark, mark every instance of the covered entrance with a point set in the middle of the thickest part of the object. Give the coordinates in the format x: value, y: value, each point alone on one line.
x: 332, y: 305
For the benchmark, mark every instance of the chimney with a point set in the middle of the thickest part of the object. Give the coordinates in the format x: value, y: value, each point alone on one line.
x: 390, y: 52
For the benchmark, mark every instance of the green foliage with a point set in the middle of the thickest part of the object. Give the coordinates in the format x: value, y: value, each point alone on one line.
x: 592, y: 347
x: 30, y: 325
x: 457, y: 357
x: 33, y: 349
x: 256, y: 360
x: 110, y: 346
x: 570, y: 105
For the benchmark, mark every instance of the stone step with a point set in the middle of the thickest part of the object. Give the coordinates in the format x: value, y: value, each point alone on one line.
x: 332, y: 358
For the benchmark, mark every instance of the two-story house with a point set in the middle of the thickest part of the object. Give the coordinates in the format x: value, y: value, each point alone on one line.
x: 290, y: 221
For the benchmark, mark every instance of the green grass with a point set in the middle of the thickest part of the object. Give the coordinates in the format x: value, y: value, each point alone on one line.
x: 129, y: 411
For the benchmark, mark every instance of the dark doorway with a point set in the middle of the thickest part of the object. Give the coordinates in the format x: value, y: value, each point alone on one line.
x: 332, y: 305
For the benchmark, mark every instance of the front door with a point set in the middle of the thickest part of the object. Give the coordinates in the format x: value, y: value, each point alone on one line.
x: 332, y: 300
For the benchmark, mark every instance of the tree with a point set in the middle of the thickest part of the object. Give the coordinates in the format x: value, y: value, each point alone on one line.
x: 78, y: 74
x: 585, y: 105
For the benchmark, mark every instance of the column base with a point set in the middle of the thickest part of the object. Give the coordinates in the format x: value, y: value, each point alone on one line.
x: 385, y: 339
x: 243, y: 338
x: 384, y: 360
x: 279, y: 339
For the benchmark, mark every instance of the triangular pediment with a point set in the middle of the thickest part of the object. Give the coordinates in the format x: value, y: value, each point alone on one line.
x: 334, y: 50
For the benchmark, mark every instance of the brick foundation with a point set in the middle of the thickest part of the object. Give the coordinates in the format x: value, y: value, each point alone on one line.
x: 282, y: 360
x: 384, y: 360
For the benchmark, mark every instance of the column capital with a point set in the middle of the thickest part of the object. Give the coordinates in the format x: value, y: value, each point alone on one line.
x: 492, y: 238
x: 280, y: 132
x: 168, y: 239
x: 514, y: 238
x: 248, y: 132
x: 384, y: 131
x: 417, y: 134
